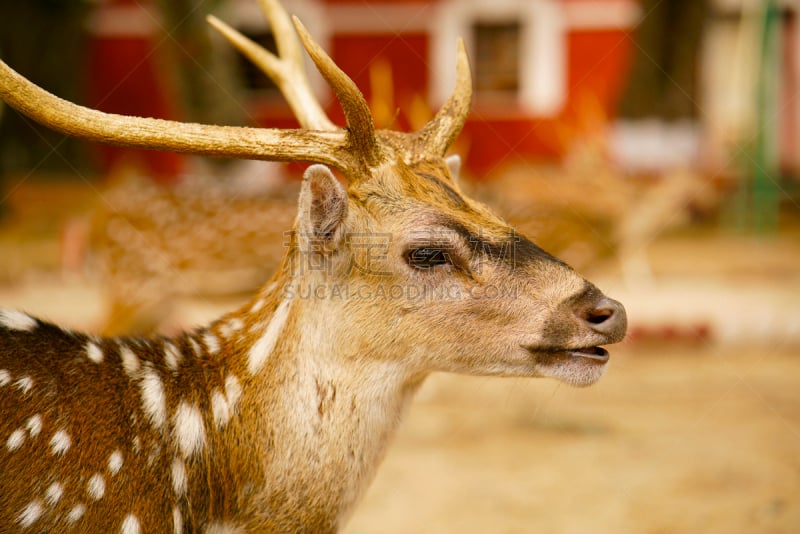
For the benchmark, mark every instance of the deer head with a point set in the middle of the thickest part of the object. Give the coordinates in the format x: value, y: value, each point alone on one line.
x: 275, y: 416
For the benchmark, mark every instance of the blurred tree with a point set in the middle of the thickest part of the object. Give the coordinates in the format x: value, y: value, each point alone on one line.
x: 664, y: 79
x: 204, y: 74
x: 44, y: 40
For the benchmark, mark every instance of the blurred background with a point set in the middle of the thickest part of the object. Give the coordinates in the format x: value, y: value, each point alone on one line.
x: 653, y: 144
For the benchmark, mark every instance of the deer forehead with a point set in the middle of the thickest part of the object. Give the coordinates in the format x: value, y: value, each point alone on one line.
x: 423, y: 196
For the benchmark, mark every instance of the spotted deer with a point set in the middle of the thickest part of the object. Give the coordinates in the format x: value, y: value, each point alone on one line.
x: 274, y: 417
x: 149, y: 245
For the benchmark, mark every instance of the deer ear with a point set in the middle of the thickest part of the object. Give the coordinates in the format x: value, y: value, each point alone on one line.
x: 323, y: 204
x: 453, y: 165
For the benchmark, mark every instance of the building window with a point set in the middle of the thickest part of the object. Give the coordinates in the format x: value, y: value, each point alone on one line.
x: 253, y: 78
x: 497, y: 59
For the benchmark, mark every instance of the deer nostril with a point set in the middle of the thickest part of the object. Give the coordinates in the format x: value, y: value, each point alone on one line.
x: 598, y: 316
x: 606, y: 317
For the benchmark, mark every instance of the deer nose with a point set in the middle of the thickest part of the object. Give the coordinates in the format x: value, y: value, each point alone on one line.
x: 606, y: 316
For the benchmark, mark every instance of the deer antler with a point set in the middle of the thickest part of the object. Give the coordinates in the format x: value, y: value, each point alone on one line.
x: 326, y: 147
x: 288, y: 73
x: 286, y: 69
x: 351, y: 151
x: 355, y: 107
x: 440, y: 132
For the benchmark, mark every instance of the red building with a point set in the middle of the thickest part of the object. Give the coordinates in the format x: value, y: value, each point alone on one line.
x: 543, y: 69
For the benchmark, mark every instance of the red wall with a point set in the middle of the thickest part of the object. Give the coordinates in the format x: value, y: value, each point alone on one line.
x: 597, y: 67
x: 408, y: 57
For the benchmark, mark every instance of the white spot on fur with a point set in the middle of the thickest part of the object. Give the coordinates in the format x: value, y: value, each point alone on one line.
x: 264, y: 346
x: 223, y: 406
x: 60, y: 442
x: 232, y: 391
x: 15, y: 320
x: 172, y: 356
x: 115, y: 462
x: 96, y: 487
x: 211, y: 342
x: 189, y: 430
x: 15, y: 440
x: 24, y: 384
x: 34, y: 425
x: 179, y: 477
x: 53, y: 493
x: 130, y: 363
x: 154, y: 401
x: 258, y: 305
x: 130, y: 525
x: 224, y: 331
x: 94, y: 352
x: 137, y: 444
x: 30, y: 513
x: 195, y: 347
x: 76, y: 513
x: 223, y: 528
x: 220, y: 409
x: 5, y: 377
x: 177, y: 521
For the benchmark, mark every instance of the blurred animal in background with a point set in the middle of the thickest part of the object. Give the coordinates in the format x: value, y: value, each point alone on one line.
x: 150, y: 245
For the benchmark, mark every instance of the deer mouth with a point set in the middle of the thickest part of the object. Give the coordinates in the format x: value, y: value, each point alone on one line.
x: 598, y: 354
x: 593, y: 354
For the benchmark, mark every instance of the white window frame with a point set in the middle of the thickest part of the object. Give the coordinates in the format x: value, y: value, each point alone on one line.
x: 542, y: 90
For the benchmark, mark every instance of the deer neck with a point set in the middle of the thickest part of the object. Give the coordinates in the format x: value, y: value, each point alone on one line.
x: 317, y: 409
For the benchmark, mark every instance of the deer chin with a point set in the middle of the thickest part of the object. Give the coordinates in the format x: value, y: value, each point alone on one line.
x: 580, y: 367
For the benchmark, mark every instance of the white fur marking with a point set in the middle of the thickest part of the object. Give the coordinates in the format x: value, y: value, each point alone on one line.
x: 30, y: 513
x: 5, y: 377
x: 15, y: 320
x: 179, y: 477
x: 171, y: 356
x: 232, y: 391
x: 220, y: 408
x: 15, y: 440
x: 177, y: 521
x: 96, y: 487
x: 154, y: 401
x: 129, y: 361
x: 189, y: 430
x: 94, y: 352
x: 137, y: 444
x: 223, y: 406
x: 130, y: 525
x: 195, y: 347
x: 53, y: 493
x: 262, y: 348
x: 222, y: 528
x: 60, y: 442
x: 212, y: 343
x: 115, y: 462
x: 258, y: 305
x: 24, y: 384
x: 34, y: 425
x: 76, y: 513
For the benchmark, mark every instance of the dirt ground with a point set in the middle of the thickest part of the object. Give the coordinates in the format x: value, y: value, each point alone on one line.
x: 680, y: 436
x: 671, y: 440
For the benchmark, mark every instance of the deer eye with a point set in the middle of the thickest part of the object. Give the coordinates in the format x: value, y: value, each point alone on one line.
x: 427, y: 258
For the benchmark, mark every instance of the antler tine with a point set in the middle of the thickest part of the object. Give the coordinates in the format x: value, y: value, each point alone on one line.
x: 286, y: 71
x: 441, y: 131
x: 137, y: 132
x: 356, y: 110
